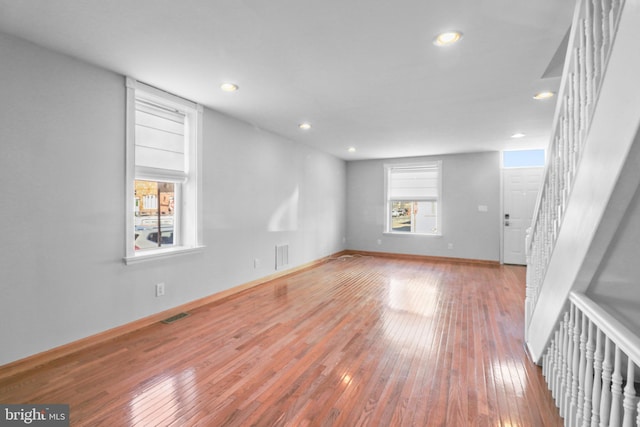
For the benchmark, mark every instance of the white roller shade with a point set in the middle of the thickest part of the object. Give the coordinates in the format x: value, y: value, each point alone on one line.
x: 413, y: 183
x: 160, y: 140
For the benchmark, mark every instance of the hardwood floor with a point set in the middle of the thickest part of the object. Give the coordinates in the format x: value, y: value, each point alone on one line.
x: 355, y: 341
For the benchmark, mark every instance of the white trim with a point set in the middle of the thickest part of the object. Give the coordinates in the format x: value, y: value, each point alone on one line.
x: 622, y: 336
x: 130, y: 166
x: 404, y: 233
x: 188, y: 220
x: 160, y: 97
x: 197, y: 172
x: 387, y: 208
x: 161, y: 254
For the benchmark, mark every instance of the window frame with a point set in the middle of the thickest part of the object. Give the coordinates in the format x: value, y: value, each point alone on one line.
x: 188, y: 217
x: 388, y: 202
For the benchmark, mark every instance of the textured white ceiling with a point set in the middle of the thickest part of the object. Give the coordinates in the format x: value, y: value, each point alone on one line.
x: 364, y: 72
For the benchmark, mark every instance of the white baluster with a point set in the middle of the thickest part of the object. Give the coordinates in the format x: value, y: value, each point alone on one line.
x: 554, y: 362
x: 575, y: 119
x: 612, y: 24
x: 597, y: 42
x: 565, y: 157
x: 558, y: 380
x: 598, y: 357
x: 550, y: 360
x: 558, y: 373
x: 607, y: 369
x: 616, y: 390
x: 615, y: 11
x: 575, y: 368
x: 582, y: 369
x: 568, y: 371
x: 606, y: 37
x: 545, y: 364
x: 629, y: 402
x: 563, y: 364
x: 588, y: 57
x: 570, y: 124
x: 588, y: 376
x: 582, y: 81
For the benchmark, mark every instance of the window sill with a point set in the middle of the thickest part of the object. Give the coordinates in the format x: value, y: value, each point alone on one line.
x: 404, y: 233
x: 161, y: 254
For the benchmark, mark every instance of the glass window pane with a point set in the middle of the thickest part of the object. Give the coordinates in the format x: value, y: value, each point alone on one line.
x: 415, y: 216
x: 522, y: 158
x: 426, y: 216
x: 154, y: 211
x: 401, y: 218
x: 412, y: 192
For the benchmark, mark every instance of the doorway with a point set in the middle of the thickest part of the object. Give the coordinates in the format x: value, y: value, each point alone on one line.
x: 520, y: 194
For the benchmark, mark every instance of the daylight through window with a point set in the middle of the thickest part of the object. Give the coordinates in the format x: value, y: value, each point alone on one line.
x: 154, y: 214
x: 412, y: 198
x: 162, y: 172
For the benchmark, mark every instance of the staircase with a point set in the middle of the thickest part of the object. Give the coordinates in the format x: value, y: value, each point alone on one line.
x: 588, y: 343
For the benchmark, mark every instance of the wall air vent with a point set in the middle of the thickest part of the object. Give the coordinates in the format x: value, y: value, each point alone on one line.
x: 282, y: 256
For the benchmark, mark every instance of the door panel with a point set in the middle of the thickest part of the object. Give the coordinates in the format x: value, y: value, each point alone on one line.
x: 520, y: 193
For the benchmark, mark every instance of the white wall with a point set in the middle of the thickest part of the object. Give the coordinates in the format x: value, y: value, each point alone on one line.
x: 468, y: 180
x: 62, y: 128
x: 611, y: 271
x: 616, y: 284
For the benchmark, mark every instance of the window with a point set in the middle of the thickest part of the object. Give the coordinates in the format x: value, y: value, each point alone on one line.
x: 413, y: 198
x: 522, y: 158
x: 163, y: 173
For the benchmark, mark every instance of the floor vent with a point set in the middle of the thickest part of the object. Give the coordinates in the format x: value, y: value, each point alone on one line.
x: 175, y: 318
x: 282, y: 256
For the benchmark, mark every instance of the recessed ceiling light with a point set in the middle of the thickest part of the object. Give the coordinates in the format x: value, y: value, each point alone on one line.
x: 305, y: 126
x: 518, y: 135
x: 351, y: 149
x: 543, y: 95
x: 447, y: 38
x: 229, y: 87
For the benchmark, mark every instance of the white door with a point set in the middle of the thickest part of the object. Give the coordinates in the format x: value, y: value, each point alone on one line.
x: 520, y: 187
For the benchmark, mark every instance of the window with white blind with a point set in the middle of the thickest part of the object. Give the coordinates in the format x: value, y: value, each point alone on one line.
x: 413, y: 198
x: 163, y: 174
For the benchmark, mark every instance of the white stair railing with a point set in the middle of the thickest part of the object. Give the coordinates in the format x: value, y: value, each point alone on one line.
x: 594, y: 28
x: 592, y: 366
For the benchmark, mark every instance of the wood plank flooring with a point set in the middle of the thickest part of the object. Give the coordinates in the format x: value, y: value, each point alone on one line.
x: 357, y: 341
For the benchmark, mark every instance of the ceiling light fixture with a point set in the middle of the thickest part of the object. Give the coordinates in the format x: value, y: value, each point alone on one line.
x: 518, y: 135
x: 351, y: 149
x: 447, y: 38
x: 305, y: 126
x: 229, y: 87
x: 543, y: 95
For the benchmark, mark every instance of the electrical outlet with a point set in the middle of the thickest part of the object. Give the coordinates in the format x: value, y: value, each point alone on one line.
x: 159, y: 289
x: 450, y: 246
x: 256, y: 263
